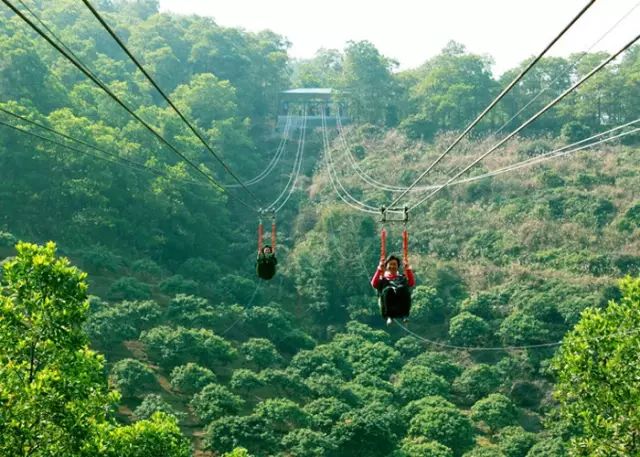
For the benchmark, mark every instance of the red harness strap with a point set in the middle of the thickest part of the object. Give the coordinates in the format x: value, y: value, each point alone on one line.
x: 260, y: 234
x: 405, y: 246
x: 383, y: 244
x: 273, y: 237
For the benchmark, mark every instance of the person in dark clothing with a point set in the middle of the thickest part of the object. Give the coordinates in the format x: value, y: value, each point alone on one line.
x: 394, y: 289
x: 266, y: 263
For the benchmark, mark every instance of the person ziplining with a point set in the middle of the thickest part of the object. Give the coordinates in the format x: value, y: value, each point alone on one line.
x: 394, y: 288
x: 266, y: 261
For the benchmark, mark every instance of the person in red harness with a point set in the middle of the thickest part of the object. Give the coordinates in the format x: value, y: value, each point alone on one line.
x: 394, y: 288
x: 266, y: 261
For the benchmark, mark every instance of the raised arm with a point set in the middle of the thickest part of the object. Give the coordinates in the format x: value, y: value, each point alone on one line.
x: 411, y: 279
x: 377, y: 276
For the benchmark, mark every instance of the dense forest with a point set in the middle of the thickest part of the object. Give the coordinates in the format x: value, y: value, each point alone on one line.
x: 132, y: 322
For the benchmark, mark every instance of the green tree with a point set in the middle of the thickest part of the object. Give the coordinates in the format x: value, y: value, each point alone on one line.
x: 596, y: 384
x: 260, y: 353
x: 452, y: 88
x: 367, y: 79
x: 465, y: 329
x: 476, y: 382
x: 515, y: 441
x: 132, y: 377
x: 427, y: 305
x: 190, y: 378
x: 415, y: 381
x: 159, y: 435
x: 52, y: 386
x: 445, y: 425
x: 325, y: 412
x: 215, y: 401
x: 495, y: 411
x: 303, y: 442
x: 374, y: 427
x: 282, y: 415
x: 421, y: 447
x: 152, y: 404
x: 172, y: 347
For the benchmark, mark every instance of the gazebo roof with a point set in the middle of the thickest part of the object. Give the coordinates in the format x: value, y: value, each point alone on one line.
x: 309, y: 91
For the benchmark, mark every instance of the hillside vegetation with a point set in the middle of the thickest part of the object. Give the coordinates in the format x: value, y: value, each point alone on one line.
x: 196, y: 348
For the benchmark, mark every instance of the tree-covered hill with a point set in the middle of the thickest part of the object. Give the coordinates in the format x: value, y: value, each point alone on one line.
x: 303, y: 365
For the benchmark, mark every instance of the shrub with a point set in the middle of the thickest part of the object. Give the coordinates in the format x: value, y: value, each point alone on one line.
x: 128, y: 288
x: 178, y: 285
x: 132, y: 377
x: 191, y: 378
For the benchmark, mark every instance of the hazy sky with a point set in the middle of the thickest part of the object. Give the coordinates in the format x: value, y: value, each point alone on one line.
x: 411, y: 31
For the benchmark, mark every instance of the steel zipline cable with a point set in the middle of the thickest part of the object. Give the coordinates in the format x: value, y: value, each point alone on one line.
x: 129, y: 110
x: 80, y: 151
x: 274, y: 161
x: 571, y: 67
x: 195, y: 131
x: 530, y: 120
x: 349, y: 200
x: 115, y: 157
x: 276, y: 206
x: 495, y: 101
x: 390, y: 188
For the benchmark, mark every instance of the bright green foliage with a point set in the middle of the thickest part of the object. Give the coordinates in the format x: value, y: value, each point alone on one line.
x: 373, y: 358
x: 52, y: 386
x: 152, y: 404
x: 250, y: 432
x: 445, y: 425
x: 122, y: 321
x: 303, y: 442
x: 451, y: 86
x: 171, y: 346
x: 421, y: 447
x: 466, y: 329
x: 441, y: 363
x: 214, y: 401
x: 408, y: 346
x: 319, y: 362
x: 495, y: 411
x: 260, y: 353
x: 515, y: 442
x: 484, y: 451
x: 157, y: 436
x: 237, y: 452
x: 532, y: 249
x: 522, y: 328
x: 549, y: 447
x: 476, y: 382
x: 284, y: 383
x: 282, y: 415
x: 415, y: 381
x: 427, y: 305
x: 416, y: 407
x: 132, y: 377
x: 596, y: 385
x: 325, y: 412
x: 190, y: 378
x: 374, y: 427
x: 367, y: 77
x: 244, y: 381
x: 482, y: 304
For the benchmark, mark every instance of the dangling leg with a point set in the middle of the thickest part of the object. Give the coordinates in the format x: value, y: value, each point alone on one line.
x: 403, y: 296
